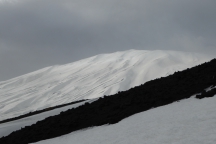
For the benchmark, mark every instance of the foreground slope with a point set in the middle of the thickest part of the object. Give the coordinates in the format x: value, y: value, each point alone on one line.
x: 189, y: 121
x: 89, y: 78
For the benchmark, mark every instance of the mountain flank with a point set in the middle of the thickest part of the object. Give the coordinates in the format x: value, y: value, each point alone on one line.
x: 114, y: 108
x: 90, y: 78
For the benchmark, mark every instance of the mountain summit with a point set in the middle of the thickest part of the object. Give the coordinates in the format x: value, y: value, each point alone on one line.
x: 100, y: 75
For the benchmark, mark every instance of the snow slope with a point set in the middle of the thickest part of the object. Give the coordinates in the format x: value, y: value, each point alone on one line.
x: 190, y: 121
x: 90, y: 78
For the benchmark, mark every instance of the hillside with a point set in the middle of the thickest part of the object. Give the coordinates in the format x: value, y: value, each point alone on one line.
x: 115, y: 108
x: 189, y: 121
x: 93, y: 77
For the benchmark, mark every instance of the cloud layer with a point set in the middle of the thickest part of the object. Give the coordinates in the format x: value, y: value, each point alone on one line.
x: 39, y: 33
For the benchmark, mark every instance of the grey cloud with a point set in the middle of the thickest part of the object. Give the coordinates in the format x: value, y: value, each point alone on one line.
x: 39, y: 33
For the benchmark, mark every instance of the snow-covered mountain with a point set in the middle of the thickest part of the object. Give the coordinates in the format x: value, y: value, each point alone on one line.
x: 93, y: 77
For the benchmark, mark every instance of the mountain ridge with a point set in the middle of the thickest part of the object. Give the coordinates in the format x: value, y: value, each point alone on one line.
x: 93, y: 77
x: 112, y: 109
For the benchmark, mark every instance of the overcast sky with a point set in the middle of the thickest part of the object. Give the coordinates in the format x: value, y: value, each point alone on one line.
x: 39, y: 33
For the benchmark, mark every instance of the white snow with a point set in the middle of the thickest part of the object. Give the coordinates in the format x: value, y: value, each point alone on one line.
x: 93, y: 77
x: 189, y: 121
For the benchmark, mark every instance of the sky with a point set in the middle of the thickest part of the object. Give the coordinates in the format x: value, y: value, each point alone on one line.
x: 38, y: 33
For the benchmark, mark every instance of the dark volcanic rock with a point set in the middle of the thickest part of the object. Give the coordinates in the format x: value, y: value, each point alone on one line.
x: 204, y: 94
x: 112, y: 109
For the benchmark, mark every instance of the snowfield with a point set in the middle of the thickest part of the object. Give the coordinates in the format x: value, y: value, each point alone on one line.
x: 90, y: 78
x: 190, y: 121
